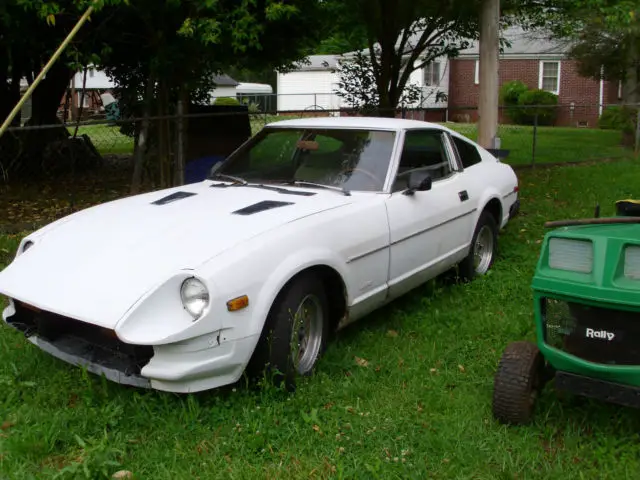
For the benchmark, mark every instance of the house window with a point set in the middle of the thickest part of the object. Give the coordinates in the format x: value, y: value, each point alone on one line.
x: 477, y: 73
x: 550, y: 76
x: 91, y: 72
x: 432, y: 74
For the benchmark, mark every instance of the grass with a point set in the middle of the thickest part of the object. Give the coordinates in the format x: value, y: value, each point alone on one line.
x: 107, y: 139
x: 419, y: 407
x: 553, y: 144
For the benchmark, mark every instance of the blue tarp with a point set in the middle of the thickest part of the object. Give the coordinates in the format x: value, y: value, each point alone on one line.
x: 197, y: 170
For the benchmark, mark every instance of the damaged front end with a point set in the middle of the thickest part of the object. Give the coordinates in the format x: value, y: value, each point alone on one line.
x: 95, y: 348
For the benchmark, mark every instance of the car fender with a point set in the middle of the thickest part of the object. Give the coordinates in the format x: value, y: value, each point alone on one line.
x: 286, y: 271
x: 487, y: 195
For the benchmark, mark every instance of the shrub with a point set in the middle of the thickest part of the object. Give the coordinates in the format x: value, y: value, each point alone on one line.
x: 510, y: 92
x: 252, y: 106
x: 226, y: 101
x: 538, y: 102
x: 618, y: 118
x: 523, y: 104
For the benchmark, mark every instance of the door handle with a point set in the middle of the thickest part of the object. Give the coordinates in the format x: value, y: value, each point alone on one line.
x: 464, y: 196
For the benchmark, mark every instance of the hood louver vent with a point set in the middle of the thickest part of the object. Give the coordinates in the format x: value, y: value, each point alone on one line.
x: 173, y: 198
x: 261, y: 207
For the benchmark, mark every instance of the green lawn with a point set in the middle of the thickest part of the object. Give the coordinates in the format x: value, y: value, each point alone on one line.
x: 554, y: 144
x: 420, y: 408
x: 107, y: 139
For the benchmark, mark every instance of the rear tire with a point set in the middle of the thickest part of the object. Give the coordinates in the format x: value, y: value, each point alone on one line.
x: 295, y: 332
x: 484, y: 246
x: 517, y: 383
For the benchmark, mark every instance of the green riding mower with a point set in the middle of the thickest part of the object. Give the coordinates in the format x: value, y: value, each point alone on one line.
x: 586, y: 292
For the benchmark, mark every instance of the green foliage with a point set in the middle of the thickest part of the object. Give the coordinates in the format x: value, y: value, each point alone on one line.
x: 510, y: 92
x: 540, y: 104
x: 602, y: 33
x: 252, y: 105
x: 405, y: 36
x: 229, y: 101
x: 523, y: 105
x: 358, y: 88
x: 621, y: 118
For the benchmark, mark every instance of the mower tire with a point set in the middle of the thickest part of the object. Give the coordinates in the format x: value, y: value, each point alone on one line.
x: 517, y: 383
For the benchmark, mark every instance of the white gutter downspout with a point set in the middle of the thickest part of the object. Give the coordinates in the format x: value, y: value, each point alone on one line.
x: 601, y: 102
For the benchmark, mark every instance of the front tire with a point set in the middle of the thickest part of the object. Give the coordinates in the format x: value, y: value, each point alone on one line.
x: 484, y: 246
x: 295, y: 333
x: 517, y: 383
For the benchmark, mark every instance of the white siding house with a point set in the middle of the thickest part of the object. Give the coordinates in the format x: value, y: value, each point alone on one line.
x: 312, y: 85
x: 96, y: 80
x: 225, y: 87
x: 432, y: 78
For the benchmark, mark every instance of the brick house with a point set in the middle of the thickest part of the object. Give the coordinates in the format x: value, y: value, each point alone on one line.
x: 537, y: 62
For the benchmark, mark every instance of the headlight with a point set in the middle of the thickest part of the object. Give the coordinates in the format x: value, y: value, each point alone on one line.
x: 571, y: 255
x: 195, y: 297
x: 27, y: 245
x: 632, y: 263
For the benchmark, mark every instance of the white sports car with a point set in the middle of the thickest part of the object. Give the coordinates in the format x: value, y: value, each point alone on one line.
x: 311, y: 224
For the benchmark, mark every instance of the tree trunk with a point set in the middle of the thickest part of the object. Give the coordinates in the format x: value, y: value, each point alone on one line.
x: 630, y: 87
x: 386, y: 107
x: 142, y: 138
x: 178, y: 178
x: 48, y: 95
x: 9, y: 92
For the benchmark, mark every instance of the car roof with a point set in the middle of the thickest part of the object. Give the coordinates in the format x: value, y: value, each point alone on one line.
x: 383, y: 123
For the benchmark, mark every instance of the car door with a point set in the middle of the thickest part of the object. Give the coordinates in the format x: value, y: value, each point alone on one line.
x: 428, y: 229
x: 473, y: 176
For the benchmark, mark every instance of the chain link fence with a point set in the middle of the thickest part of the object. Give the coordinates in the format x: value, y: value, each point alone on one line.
x: 50, y: 171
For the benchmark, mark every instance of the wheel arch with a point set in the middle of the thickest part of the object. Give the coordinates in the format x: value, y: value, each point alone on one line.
x: 494, y: 207
x: 335, y: 288
x: 326, y: 263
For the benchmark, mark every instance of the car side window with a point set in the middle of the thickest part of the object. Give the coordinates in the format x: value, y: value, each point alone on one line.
x: 468, y: 153
x: 424, y: 151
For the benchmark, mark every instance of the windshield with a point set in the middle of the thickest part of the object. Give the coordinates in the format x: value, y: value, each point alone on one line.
x: 351, y: 159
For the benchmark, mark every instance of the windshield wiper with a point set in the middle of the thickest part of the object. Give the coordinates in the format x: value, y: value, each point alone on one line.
x: 273, y: 188
x: 230, y: 177
x: 304, y: 183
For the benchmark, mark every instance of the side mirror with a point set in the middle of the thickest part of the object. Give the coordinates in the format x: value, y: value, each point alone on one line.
x: 418, y: 182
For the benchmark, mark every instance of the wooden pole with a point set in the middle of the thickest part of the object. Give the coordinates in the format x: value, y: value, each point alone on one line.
x: 489, y: 65
x: 74, y: 97
x: 45, y: 69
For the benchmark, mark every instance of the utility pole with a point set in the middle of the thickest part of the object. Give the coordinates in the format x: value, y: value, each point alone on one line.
x: 489, y: 64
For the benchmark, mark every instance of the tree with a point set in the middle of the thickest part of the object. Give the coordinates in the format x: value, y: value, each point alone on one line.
x: 157, y: 51
x: 357, y: 87
x: 172, y: 54
x: 404, y: 36
x: 603, y: 35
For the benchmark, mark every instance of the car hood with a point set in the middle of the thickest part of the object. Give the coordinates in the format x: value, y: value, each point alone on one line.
x: 95, y: 264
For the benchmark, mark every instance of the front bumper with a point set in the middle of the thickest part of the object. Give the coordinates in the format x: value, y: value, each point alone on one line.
x: 191, y: 365
x: 626, y: 395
